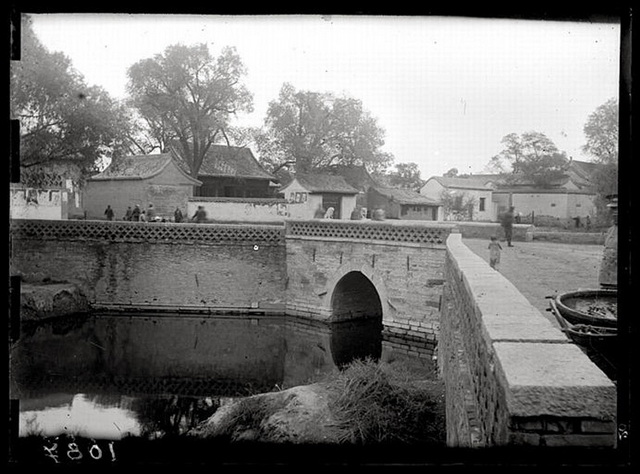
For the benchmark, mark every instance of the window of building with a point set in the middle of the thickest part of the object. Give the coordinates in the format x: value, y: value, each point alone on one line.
x: 482, y: 204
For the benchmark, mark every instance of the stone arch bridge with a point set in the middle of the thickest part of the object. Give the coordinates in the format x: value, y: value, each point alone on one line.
x: 344, y: 270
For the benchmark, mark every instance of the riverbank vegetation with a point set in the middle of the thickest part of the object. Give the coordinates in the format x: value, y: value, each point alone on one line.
x: 365, y: 403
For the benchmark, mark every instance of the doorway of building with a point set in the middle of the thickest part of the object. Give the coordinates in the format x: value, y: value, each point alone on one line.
x: 332, y: 200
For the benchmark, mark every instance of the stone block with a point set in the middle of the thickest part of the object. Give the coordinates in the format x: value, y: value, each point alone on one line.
x: 579, y: 440
x: 544, y: 379
x: 597, y: 426
x: 524, y: 439
x: 527, y: 424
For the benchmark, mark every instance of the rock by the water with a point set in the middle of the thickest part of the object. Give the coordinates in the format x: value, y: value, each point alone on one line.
x: 47, y: 300
x: 297, y: 415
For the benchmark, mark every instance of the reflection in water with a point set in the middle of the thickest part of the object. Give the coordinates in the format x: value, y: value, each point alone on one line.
x: 108, y: 377
x: 83, y: 415
x: 172, y: 415
x: 356, y: 339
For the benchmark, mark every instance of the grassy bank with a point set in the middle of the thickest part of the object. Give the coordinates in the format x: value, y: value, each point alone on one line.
x: 365, y: 403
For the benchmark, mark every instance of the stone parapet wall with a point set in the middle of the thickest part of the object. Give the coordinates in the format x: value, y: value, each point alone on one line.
x: 418, y: 232
x: 152, y: 232
x: 511, y: 377
x: 484, y: 230
x: 156, y: 264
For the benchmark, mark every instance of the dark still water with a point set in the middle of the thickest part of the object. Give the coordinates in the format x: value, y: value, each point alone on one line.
x: 108, y: 376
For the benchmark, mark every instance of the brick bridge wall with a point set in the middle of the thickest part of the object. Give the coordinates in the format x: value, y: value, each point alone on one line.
x: 403, y: 260
x: 511, y: 377
x: 157, y: 264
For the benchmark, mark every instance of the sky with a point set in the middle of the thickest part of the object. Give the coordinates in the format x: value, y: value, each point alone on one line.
x: 444, y: 89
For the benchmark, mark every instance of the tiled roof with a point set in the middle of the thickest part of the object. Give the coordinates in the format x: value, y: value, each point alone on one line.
x: 233, y: 161
x: 135, y: 167
x: 471, y: 182
x: 406, y: 196
x: 325, y: 183
x: 539, y: 190
x: 356, y: 176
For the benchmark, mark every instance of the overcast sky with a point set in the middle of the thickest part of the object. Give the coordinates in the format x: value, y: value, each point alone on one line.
x: 446, y: 90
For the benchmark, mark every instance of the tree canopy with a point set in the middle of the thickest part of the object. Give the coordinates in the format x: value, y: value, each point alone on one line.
x: 63, y: 121
x: 601, y: 131
x: 531, y: 157
x: 186, y: 96
x: 307, y: 131
x: 405, y: 175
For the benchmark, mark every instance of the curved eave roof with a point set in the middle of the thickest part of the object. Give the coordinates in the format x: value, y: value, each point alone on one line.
x: 140, y: 167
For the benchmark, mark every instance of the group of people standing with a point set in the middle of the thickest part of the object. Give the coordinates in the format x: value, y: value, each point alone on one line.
x: 141, y: 215
x: 136, y: 214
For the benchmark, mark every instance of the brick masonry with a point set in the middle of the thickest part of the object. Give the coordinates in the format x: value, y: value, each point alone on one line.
x: 201, y: 273
x: 512, y: 378
x: 408, y: 280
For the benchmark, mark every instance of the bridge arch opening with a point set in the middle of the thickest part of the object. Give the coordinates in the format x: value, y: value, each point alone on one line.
x: 356, y: 320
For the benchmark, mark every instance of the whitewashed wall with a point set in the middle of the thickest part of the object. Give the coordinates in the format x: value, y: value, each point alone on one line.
x: 239, y: 209
x: 28, y: 203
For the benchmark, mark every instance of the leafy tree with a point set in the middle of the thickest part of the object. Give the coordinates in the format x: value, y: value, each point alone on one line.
x: 531, y: 157
x: 187, y: 96
x: 458, y: 206
x: 309, y: 131
x: 601, y: 131
x: 406, y: 175
x: 452, y: 173
x: 65, y: 126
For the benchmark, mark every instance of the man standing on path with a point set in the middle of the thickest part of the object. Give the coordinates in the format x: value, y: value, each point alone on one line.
x: 507, y: 225
x: 608, y: 277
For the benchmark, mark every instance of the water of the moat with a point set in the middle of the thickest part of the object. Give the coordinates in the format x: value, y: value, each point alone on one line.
x: 107, y: 376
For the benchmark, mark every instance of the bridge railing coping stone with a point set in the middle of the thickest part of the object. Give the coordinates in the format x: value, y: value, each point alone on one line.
x: 544, y: 374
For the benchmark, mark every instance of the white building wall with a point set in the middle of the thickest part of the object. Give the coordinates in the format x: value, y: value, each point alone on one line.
x: 581, y: 205
x: 544, y: 204
x: 432, y: 189
x: 28, y: 203
x: 247, y: 210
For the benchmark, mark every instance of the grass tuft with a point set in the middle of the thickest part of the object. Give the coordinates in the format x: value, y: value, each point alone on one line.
x: 377, y: 403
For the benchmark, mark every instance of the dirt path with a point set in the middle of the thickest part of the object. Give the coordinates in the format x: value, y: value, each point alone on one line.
x: 540, y: 269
